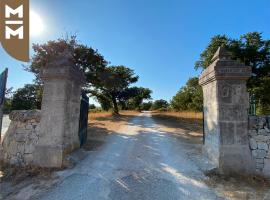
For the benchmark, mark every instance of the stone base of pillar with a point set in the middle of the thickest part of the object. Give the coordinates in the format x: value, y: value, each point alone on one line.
x: 236, y: 159
x: 49, y: 156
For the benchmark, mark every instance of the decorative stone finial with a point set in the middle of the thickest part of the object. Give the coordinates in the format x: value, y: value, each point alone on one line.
x: 221, y: 54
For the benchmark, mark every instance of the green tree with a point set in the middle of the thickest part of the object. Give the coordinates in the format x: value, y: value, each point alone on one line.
x: 189, y: 97
x: 113, y: 82
x: 160, y: 104
x: 26, y: 98
x: 106, y: 83
x: 146, y: 105
x: 254, y: 51
x: 131, y: 98
x: 86, y: 58
x: 103, y: 100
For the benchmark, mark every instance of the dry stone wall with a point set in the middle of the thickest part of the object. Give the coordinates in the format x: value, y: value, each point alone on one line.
x: 22, y: 137
x: 259, y: 142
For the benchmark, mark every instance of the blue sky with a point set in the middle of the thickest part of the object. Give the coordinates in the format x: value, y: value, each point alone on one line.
x: 159, y: 39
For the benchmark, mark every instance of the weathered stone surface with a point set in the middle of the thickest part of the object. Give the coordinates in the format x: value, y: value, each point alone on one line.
x: 262, y: 132
x: 262, y: 146
x: 252, y: 133
x: 60, y: 110
x: 267, y: 130
x: 266, y: 169
x: 259, y: 166
x: 25, y: 115
x: 262, y: 123
x: 21, y: 138
x: 268, y: 155
x: 260, y: 160
x: 261, y: 138
x: 259, y: 132
x: 253, y: 144
x: 226, y: 118
x: 259, y: 153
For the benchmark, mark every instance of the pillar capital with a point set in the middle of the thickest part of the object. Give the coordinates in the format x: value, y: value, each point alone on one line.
x: 62, y: 67
x: 223, y: 67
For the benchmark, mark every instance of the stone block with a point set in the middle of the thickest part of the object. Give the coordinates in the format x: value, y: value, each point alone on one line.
x: 227, y: 133
x: 235, y: 159
x: 259, y: 166
x: 241, y: 134
x: 258, y: 153
x: 20, y: 148
x: 260, y: 160
x: 263, y: 146
x: 262, y: 132
x: 253, y: 144
x: 262, y: 122
x: 28, y: 159
x: 30, y: 148
x: 261, y: 138
x: 252, y: 133
x: 21, y: 137
x: 252, y: 122
x: 266, y: 169
x: 29, y: 127
x: 48, y: 156
x: 268, y: 155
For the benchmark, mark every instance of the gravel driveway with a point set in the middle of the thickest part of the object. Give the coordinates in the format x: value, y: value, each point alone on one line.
x: 139, y: 162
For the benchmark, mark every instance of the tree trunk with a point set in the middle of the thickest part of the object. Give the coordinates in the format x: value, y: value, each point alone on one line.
x: 115, y: 106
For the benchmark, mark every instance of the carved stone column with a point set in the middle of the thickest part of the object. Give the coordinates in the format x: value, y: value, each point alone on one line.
x: 226, y: 105
x: 60, y: 111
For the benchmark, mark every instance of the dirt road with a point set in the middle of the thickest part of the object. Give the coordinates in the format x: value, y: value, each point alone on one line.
x: 143, y: 160
x: 139, y: 162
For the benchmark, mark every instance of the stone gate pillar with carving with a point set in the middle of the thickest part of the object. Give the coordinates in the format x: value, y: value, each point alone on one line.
x: 60, y: 111
x: 226, y: 113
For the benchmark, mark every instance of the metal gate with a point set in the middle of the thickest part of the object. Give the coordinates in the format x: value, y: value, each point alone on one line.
x: 83, y: 119
x: 252, y: 105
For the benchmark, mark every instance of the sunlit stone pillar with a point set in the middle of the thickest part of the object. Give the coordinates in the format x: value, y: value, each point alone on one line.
x: 226, y: 113
x: 60, y: 111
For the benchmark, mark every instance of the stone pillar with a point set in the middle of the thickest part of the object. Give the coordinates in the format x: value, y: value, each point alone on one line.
x: 60, y: 111
x: 226, y: 104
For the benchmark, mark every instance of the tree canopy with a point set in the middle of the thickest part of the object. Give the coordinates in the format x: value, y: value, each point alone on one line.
x: 189, y: 97
x: 254, y: 51
x: 133, y: 97
x: 160, y: 104
x: 110, y: 85
x: 26, y: 98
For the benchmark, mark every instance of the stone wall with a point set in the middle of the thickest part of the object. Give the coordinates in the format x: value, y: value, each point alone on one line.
x: 259, y: 142
x: 20, y: 140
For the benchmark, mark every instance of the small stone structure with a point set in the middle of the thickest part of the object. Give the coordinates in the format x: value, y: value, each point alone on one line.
x: 226, y: 114
x: 259, y: 141
x: 43, y: 138
x: 60, y: 111
x: 22, y: 137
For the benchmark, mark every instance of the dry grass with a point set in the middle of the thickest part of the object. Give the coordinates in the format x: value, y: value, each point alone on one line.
x: 182, y: 115
x: 186, y: 120
x: 108, y: 115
